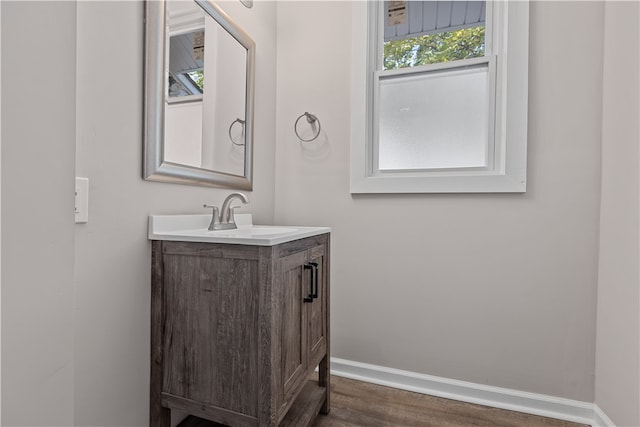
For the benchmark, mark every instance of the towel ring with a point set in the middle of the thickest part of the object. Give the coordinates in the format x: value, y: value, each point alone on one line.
x: 312, y: 120
x: 238, y: 120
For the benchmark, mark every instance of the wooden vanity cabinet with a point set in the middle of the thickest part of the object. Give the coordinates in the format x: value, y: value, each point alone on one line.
x: 238, y: 330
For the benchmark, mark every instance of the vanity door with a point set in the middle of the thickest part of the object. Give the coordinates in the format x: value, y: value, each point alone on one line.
x: 303, y: 317
x: 317, y: 309
x: 293, y: 287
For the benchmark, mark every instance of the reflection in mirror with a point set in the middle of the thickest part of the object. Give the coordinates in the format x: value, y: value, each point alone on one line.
x: 199, y: 116
x: 197, y: 119
x: 186, y: 64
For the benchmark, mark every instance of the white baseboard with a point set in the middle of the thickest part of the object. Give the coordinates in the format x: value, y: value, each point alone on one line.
x: 497, y: 397
x: 600, y: 419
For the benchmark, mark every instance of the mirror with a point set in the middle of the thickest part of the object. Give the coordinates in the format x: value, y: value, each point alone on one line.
x: 199, y: 86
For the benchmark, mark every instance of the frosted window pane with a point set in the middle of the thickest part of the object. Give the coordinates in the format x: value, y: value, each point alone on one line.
x: 434, y: 120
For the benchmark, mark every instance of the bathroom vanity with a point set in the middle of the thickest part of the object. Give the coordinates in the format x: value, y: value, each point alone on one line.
x: 239, y: 323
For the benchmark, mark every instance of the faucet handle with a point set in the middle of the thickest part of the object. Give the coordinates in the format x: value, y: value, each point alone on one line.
x: 232, y: 217
x: 215, y: 217
x: 214, y: 207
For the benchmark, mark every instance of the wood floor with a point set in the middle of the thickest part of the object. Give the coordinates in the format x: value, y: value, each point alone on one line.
x: 355, y: 403
x: 360, y: 404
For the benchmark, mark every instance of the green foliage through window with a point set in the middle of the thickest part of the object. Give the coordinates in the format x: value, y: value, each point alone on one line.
x: 434, y: 48
x: 198, y: 78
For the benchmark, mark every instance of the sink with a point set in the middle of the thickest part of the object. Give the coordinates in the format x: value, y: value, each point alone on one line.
x: 194, y: 228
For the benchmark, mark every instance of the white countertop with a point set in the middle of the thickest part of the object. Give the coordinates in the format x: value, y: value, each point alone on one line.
x: 194, y: 228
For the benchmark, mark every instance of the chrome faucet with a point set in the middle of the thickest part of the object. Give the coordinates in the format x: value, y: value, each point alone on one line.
x: 225, y: 219
x: 226, y: 214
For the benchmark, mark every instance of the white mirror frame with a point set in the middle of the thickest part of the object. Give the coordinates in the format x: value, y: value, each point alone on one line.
x: 155, y: 168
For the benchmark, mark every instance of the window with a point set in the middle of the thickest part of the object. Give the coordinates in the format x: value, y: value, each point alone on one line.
x: 445, y: 98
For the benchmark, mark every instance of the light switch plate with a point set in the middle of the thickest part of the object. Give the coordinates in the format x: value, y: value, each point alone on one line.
x: 82, y: 200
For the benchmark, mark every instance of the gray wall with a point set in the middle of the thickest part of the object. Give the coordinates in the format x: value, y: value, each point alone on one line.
x: 38, y: 151
x: 493, y: 289
x: 112, y: 254
x: 618, y: 331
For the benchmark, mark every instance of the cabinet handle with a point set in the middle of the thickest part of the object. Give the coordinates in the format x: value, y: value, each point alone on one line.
x: 309, y: 297
x: 314, y: 265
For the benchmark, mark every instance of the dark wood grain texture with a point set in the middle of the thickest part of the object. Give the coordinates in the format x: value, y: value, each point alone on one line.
x: 292, y: 330
x: 316, y: 316
x: 304, y: 413
x: 324, y: 369
x: 211, y: 332
x: 233, y: 341
x: 159, y: 416
x: 212, y: 413
x: 268, y: 346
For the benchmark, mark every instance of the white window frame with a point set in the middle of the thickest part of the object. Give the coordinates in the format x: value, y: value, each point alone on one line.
x: 507, y: 52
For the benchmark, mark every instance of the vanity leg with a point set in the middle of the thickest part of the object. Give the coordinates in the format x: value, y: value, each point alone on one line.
x: 159, y: 416
x: 324, y: 380
x: 324, y: 370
